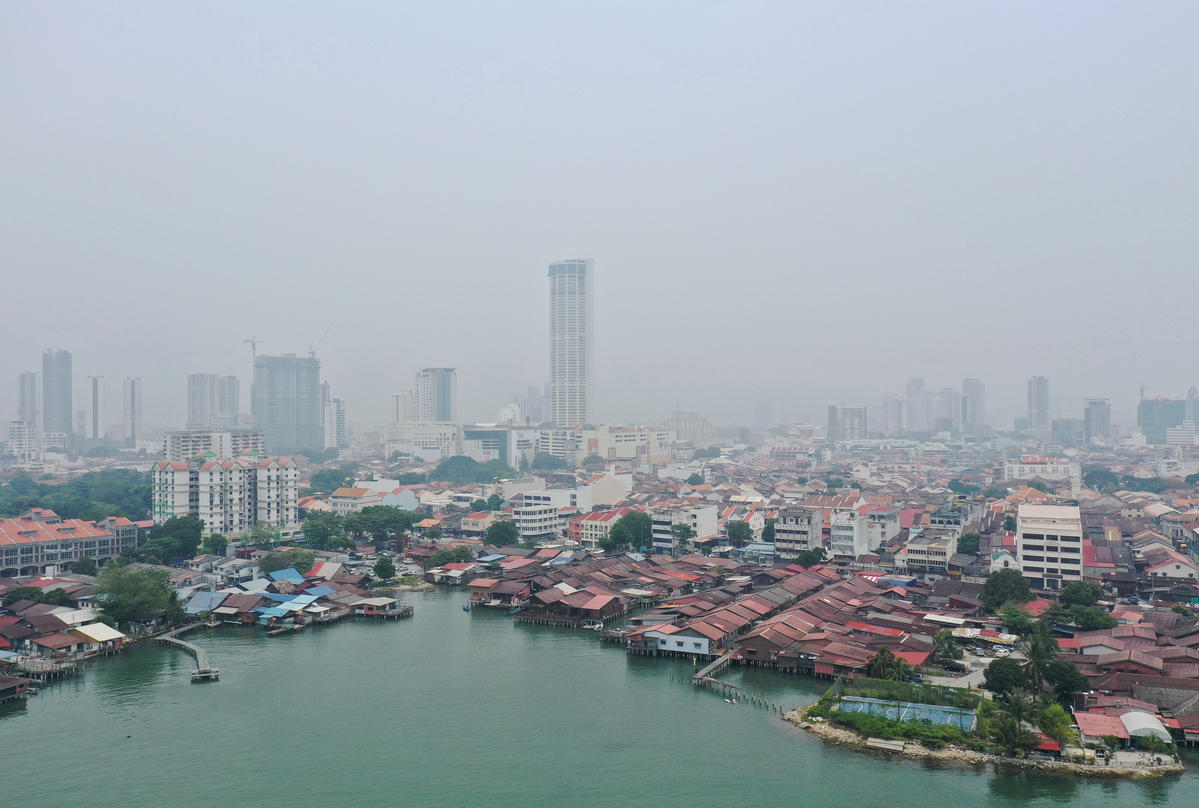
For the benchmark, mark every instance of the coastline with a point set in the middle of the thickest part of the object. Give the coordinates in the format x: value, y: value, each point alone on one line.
x: 840, y: 736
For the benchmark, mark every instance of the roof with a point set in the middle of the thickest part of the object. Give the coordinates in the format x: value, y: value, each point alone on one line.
x: 1143, y: 724
x: 1098, y: 725
x: 27, y: 531
x: 351, y: 492
x: 98, y: 632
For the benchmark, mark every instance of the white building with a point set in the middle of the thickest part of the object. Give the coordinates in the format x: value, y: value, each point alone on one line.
x: 348, y: 500
x: 213, y: 401
x: 335, y: 424
x: 849, y: 535
x: 229, y: 495
x: 24, y: 441
x: 131, y: 404
x: 95, y: 419
x: 185, y: 444
x: 701, y: 518
x: 542, y: 515
x: 1045, y: 468
x: 1049, y: 544
x: 429, y: 440
x: 436, y: 395
x: 571, y: 368
x: 635, y: 445
x: 798, y: 529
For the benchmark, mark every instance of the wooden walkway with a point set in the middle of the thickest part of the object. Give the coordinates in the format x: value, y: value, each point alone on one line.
x: 203, y: 670
x: 712, y: 668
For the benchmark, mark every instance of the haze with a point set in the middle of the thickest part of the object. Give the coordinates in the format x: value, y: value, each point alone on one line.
x: 785, y: 202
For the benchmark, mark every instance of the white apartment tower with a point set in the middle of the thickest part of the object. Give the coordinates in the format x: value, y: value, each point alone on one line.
x: 212, y: 401
x: 131, y: 400
x: 1049, y: 544
x: 95, y: 421
x: 570, y: 342
x: 436, y: 395
x: 29, y: 402
x: 229, y: 496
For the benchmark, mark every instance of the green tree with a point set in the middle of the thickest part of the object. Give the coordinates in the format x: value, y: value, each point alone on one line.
x: 262, y: 533
x: 619, y: 538
x: 945, y: 648
x: 478, y: 505
x: 502, y: 533
x: 1065, y: 680
x: 968, y: 544
x: 300, y: 560
x: 448, y: 555
x: 216, y: 544
x: 739, y: 533
x: 412, y: 478
x: 1057, y: 724
x: 710, y: 453
x: 186, y: 530
x: 639, y: 527
x: 137, y: 595
x: 1016, y: 703
x: 495, y: 502
x: 964, y: 488
x: 1092, y: 618
x: 1004, y: 675
x: 1009, y: 523
x: 1010, y: 737
x: 1081, y: 593
x: 385, y: 570
x: 322, y: 529
x: 1015, y: 618
x: 383, y: 523
x: 810, y: 558
x: 85, y: 566
x: 462, y: 470
x: 1041, y: 650
x: 768, y: 531
x: 683, y: 533
x: 547, y: 462
x: 329, y: 480
x: 886, y: 665
x: 695, y: 479
x: 1003, y: 586
x: 594, y: 462
x: 433, y: 533
x: 1100, y: 479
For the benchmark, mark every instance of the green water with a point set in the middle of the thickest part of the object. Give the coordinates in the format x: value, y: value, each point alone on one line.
x: 459, y: 709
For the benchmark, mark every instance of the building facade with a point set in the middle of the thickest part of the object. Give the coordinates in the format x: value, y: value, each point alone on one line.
x: 131, y: 399
x: 436, y: 395
x: 1038, y: 402
x: 188, y: 443
x: 56, y: 392
x: 229, y: 496
x: 287, y: 403
x: 39, y: 542
x: 571, y: 369
x: 1049, y: 544
x: 212, y: 401
x: 29, y: 399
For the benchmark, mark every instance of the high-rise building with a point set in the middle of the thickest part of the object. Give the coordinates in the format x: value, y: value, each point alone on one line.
x: 436, y: 395
x: 571, y: 317
x: 1049, y: 545
x: 335, y: 424
x: 403, y: 407
x: 209, y: 443
x: 131, y: 404
x: 948, y: 411
x: 1097, y: 421
x: 212, y: 401
x: 846, y: 423
x: 56, y: 392
x: 29, y: 401
x: 95, y: 419
x: 974, y: 406
x: 229, y: 495
x: 287, y: 403
x: 1038, y: 402
x: 918, y: 406
x: 1156, y: 415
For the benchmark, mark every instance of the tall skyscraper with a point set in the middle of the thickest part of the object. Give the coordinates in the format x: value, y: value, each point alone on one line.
x: 287, y: 403
x: 974, y: 406
x: 846, y: 423
x: 131, y: 403
x: 56, y: 392
x: 570, y: 342
x: 335, y: 424
x: 1038, y: 402
x: 95, y: 418
x: 1097, y: 420
x: 1156, y: 415
x: 918, y: 406
x: 436, y: 392
x: 212, y: 401
x: 29, y: 401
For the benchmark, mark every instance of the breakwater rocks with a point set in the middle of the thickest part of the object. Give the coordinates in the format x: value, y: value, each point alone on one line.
x: 953, y: 754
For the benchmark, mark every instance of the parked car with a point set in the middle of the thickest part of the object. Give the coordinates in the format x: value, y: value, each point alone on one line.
x: 952, y: 665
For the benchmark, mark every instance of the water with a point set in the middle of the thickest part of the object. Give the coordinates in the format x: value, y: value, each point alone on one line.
x: 450, y: 708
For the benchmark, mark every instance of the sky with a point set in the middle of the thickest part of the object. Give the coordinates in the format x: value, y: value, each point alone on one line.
x: 787, y: 202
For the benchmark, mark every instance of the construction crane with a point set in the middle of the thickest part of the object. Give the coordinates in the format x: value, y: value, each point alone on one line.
x: 253, y: 343
x: 312, y: 348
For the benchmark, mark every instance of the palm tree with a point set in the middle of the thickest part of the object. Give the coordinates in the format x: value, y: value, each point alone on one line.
x: 1042, y: 650
x: 1016, y: 704
x: 885, y: 665
x: 946, y: 648
x: 1009, y: 734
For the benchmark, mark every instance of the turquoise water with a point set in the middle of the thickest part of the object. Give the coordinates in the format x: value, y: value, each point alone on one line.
x: 451, y: 708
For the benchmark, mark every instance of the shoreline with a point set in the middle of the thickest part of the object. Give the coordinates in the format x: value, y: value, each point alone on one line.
x: 830, y: 733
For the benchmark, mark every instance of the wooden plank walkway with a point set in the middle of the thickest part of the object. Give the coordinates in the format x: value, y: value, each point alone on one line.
x: 712, y: 668
x: 203, y: 670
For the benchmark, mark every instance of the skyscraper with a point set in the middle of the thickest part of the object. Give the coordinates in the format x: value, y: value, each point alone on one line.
x: 29, y: 401
x: 436, y: 392
x: 56, y: 392
x: 1156, y: 415
x: 1038, y: 402
x: 974, y: 406
x: 570, y: 342
x: 287, y: 403
x: 212, y: 401
x: 918, y: 406
x: 95, y: 419
x: 131, y: 403
x: 1097, y: 420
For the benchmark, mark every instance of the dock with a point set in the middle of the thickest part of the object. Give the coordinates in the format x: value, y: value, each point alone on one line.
x: 709, y: 671
x: 203, y: 672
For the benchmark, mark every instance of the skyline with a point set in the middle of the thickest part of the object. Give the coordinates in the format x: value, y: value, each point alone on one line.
x: 789, y: 205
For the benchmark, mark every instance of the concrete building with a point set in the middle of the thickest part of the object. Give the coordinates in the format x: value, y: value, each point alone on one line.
x: 336, y: 436
x: 1038, y: 402
x: 930, y: 550
x: 436, y: 395
x: 229, y: 496
x: 1045, y: 468
x: 24, y: 442
x: 403, y: 407
x: 571, y: 367
x: 95, y: 414
x: 1156, y: 415
x: 689, y: 427
x: 798, y: 528
x: 701, y: 518
x: 39, y: 542
x: 846, y: 423
x: 287, y: 403
x: 131, y: 403
x: 632, y: 444
x: 429, y: 440
x: 511, y: 444
x: 56, y: 392
x: 188, y: 443
x: 849, y: 535
x: 349, y: 499
x: 543, y: 515
x: 213, y: 401
x: 1097, y: 421
x: 29, y: 399
x: 974, y: 406
x: 1049, y: 544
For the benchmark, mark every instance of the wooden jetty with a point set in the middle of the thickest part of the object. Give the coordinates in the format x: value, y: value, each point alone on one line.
x: 711, y: 669
x: 203, y: 672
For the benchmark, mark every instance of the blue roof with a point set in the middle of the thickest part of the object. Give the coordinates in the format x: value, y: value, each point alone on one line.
x: 205, y: 602
x: 289, y: 574
x: 490, y: 558
x: 320, y: 591
x: 275, y: 596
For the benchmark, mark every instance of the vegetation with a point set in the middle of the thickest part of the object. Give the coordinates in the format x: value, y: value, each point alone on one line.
x: 85, y: 566
x: 138, y: 595
x: 57, y: 596
x: 383, y: 523
x: 326, y: 481
x: 95, y: 495
x: 176, y: 538
x: 1004, y: 675
x: 502, y: 533
x: 631, y: 530
x: 768, y: 531
x: 1010, y: 736
x: 296, y: 558
x: 1016, y: 618
x: 594, y: 462
x: 739, y: 533
x: 1101, y: 479
x: 462, y: 470
x: 385, y: 569
x: 968, y: 544
x: 683, y: 533
x: 1005, y: 586
x: 710, y: 453
x: 810, y: 558
x: 885, y: 665
x: 1081, y: 593
x: 945, y: 648
x: 924, y: 732
x: 449, y: 555
x: 547, y: 462
x: 915, y: 692
x: 216, y: 544
x: 695, y: 479
x: 964, y: 488
x: 1057, y: 724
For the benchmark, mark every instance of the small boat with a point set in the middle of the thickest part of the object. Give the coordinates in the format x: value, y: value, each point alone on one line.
x: 593, y: 625
x: 466, y: 607
x: 730, y: 701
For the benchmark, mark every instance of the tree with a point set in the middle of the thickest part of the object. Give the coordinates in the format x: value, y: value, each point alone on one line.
x: 295, y: 558
x: 186, y: 530
x: 1041, y: 650
x: 1081, y: 593
x: 1065, y: 680
x: 1003, y: 586
x: 886, y: 665
x: 594, y: 462
x: 739, y: 533
x: 433, y: 533
x: 1057, y: 724
x: 448, y: 555
x: 695, y: 479
x: 710, y: 453
x: 384, y: 522
x: 1009, y: 523
x: 1015, y: 618
x: 945, y: 648
x: 620, y: 537
x: 1092, y: 618
x: 768, y: 531
x: 968, y: 544
x: 964, y: 488
x: 478, y: 505
x: 462, y: 470
x: 137, y: 595
x: 810, y: 558
x: 329, y: 480
x: 683, y: 533
x: 1004, y: 675
x: 1100, y: 479
x: 1010, y: 736
x: 385, y: 570
x: 216, y: 544
x: 1016, y: 703
x: 322, y: 529
x: 547, y: 462
x: 85, y: 566
x: 640, y: 530
x: 495, y: 502
x: 262, y: 533
x: 502, y: 533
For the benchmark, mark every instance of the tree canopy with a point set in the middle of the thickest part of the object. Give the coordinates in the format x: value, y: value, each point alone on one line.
x: 448, y: 555
x: 137, y: 595
x: 301, y: 560
x: 385, y: 569
x: 968, y: 544
x: 502, y: 533
x: 462, y: 470
x: 92, y: 496
x: 327, y: 481
x: 695, y: 479
x: 1003, y: 586
x: 1080, y: 593
x: 1016, y: 618
x: 1004, y: 675
x: 547, y: 462
x: 810, y: 558
x: 739, y: 533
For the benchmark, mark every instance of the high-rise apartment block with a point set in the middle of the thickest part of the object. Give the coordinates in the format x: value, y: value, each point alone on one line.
x: 436, y: 395
x: 131, y: 404
x: 1156, y: 415
x: 95, y: 416
x: 974, y: 406
x: 209, y: 443
x: 846, y: 423
x: 29, y: 399
x: 1038, y: 402
x: 287, y: 403
x: 571, y: 367
x: 335, y: 424
x: 56, y: 392
x: 1097, y: 421
x: 229, y: 495
x: 213, y: 401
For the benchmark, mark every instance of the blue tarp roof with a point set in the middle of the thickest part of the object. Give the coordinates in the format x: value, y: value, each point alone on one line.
x: 490, y: 558
x: 275, y: 596
x: 320, y: 591
x: 205, y: 602
x: 289, y: 574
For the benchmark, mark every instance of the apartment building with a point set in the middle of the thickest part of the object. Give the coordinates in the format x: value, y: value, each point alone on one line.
x: 702, y: 519
x: 931, y: 549
x: 229, y: 495
x: 184, y: 444
x: 1049, y: 544
x: 39, y: 542
x: 542, y: 515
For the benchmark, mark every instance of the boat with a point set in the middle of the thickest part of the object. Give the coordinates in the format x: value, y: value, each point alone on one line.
x: 730, y: 701
x: 593, y: 625
x: 466, y: 607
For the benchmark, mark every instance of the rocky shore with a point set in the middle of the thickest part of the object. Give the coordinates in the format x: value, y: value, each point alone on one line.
x: 844, y: 737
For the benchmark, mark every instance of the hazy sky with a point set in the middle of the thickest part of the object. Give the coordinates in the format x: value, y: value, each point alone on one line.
x: 789, y: 202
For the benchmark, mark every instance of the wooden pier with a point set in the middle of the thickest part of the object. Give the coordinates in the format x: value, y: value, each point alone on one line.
x: 711, y: 669
x: 44, y: 670
x: 203, y: 672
